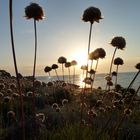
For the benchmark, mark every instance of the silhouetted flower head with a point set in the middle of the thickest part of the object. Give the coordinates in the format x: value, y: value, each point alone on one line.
x: 62, y: 60
x: 9, y: 91
x: 47, y: 69
x: 114, y: 73
x: 118, y: 61
x: 7, y: 99
x: 128, y: 111
x: 92, y: 14
x: 88, y: 80
x: 14, y: 95
x: 132, y: 91
x: 40, y: 117
x: 84, y: 67
x: 108, y: 78
x: 2, y: 86
x: 138, y: 66
x: 118, y: 42
x: 67, y: 64
x: 12, y: 86
x: 118, y: 87
x: 58, y: 109
x: 54, y: 66
x: 73, y: 63
x: 37, y: 83
x: 92, y: 71
x: 29, y: 93
x: 94, y: 55
x: 54, y: 105
x: 100, y: 52
x: 34, y: 11
x: 64, y: 102
x: 10, y: 114
x: 109, y: 83
x: 49, y: 84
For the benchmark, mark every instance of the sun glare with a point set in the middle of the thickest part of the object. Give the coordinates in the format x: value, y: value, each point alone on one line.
x: 80, y: 56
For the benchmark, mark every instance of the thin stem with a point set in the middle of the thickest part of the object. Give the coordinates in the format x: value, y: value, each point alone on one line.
x: 69, y: 75
x: 56, y: 74
x: 16, y: 70
x: 112, y: 60
x: 116, y: 75
x: 73, y: 74
x: 63, y: 71
x: 34, y: 67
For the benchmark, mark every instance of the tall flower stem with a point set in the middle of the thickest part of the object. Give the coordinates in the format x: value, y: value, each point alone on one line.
x: 88, y: 49
x: 116, y: 75
x: 69, y: 75
x: 73, y: 74
x: 56, y: 74
x: 34, y: 67
x: 63, y: 71
x: 112, y: 60
x: 95, y: 71
x: 16, y: 70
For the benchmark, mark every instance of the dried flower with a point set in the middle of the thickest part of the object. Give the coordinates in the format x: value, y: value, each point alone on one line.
x: 67, y: 64
x: 10, y: 114
x: 92, y: 14
x: 118, y: 42
x: 73, y: 63
x: 47, y: 69
x: 54, y: 66
x: 34, y: 11
x: 114, y: 73
x: 118, y: 61
x: 108, y: 78
x: 84, y: 67
x: 62, y: 60
x: 54, y: 105
x: 127, y: 111
x: 64, y: 102
x: 138, y: 66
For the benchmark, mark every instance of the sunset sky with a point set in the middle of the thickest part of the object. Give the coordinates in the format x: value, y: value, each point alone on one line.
x: 63, y: 33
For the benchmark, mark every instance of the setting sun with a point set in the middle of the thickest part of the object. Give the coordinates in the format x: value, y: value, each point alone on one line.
x: 80, y: 56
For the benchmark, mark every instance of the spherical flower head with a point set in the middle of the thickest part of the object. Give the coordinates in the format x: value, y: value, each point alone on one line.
x: 54, y: 66
x: 54, y: 105
x: 138, y: 66
x: 84, y: 67
x: 109, y: 83
x: 47, y: 69
x: 67, y: 64
x: 99, y: 103
x: 37, y: 83
x: 12, y: 86
x: 92, y: 71
x: 10, y: 114
x: 34, y: 11
x: 58, y: 109
x: 100, y: 52
x: 6, y: 99
x: 64, y: 102
x: 127, y: 111
x: 118, y: 42
x: 9, y: 91
x: 88, y: 80
x: 94, y: 55
x: 49, y: 84
x: 73, y: 63
x: 2, y: 86
x: 108, y: 78
x: 92, y: 14
x: 62, y: 60
x: 29, y: 93
x: 114, y: 73
x: 1, y: 94
x: 118, y: 61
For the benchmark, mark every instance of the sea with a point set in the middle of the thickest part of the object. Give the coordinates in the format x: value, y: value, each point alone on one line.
x: 124, y: 79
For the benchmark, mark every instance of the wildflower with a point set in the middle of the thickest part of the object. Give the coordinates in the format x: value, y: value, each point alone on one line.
x: 88, y: 80
x: 1, y: 94
x: 47, y: 69
x: 64, y: 102
x: 108, y: 78
x: 40, y: 117
x: 34, y: 11
x: 2, y: 86
x: 110, y: 83
x: 29, y: 93
x: 12, y: 86
x: 10, y: 114
x: 54, y: 105
x: 6, y: 99
x: 114, y: 73
x: 37, y: 83
x: 49, y: 84
x: 73, y: 63
x: 58, y: 109
x: 14, y: 95
x: 127, y: 111
x: 84, y: 67
x: 138, y: 66
x: 99, y: 103
x: 92, y: 14
x: 118, y: 61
